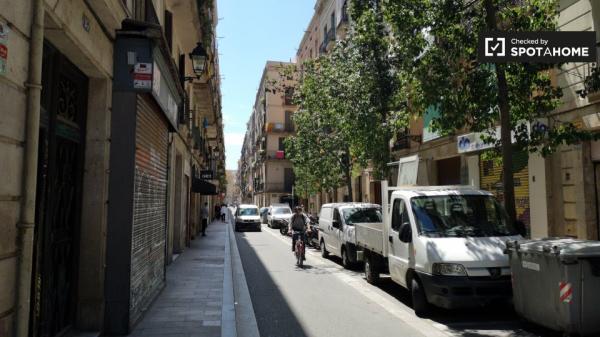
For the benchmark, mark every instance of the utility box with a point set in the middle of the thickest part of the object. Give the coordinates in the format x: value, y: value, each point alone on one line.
x: 556, y: 283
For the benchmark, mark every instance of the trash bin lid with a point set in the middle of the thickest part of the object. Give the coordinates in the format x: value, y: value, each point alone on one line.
x: 565, y: 247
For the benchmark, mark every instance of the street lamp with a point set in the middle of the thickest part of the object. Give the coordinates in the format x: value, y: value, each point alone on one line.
x: 199, y: 60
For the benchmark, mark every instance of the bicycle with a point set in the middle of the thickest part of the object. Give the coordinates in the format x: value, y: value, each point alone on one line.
x: 299, y: 249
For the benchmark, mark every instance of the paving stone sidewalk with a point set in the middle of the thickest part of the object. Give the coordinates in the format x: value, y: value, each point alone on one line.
x: 191, y: 303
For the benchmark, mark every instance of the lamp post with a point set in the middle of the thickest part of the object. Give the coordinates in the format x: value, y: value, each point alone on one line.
x: 199, y: 59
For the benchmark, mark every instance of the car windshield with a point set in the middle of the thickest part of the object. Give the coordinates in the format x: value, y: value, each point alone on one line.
x: 248, y: 211
x: 282, y: 210
x: 461, y: 216
x: 361, y: 215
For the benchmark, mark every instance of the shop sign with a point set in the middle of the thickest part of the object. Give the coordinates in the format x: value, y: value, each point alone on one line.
x: 4, y: 30
x: 142, y: 76
x: 163, y: 95
x: 206, y: 175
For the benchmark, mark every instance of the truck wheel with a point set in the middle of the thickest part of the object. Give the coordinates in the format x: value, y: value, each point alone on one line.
x: 324, y: 252
x: 345, y: 261
x: 371, y: 270
x: 419, y: 299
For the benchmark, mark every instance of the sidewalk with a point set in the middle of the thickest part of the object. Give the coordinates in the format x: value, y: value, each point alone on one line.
x: 200, y: 295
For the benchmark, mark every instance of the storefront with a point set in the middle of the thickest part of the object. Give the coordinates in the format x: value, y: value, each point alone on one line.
x: 147, y: 96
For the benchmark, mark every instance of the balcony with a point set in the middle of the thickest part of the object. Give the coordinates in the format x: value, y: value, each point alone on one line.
x: 281, y: 187
x: 276, y: 155
x: 328, y: 41
x: 403, y: 141
x: 279, y: 127
x: 345, y: 19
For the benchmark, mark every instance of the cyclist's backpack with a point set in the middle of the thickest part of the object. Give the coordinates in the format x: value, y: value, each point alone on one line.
x: 298, y: 222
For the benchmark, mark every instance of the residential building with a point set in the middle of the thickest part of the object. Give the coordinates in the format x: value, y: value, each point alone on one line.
x: 104, y: 132
x: 266, y: 175
x: 330, y: 23
x: 556, y: 195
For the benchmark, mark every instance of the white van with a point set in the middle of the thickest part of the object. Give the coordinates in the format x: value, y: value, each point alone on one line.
x: 246, y: 216
x: 445, y: 244
x: 336, y: 228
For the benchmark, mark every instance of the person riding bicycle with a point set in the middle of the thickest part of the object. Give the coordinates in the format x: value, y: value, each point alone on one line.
x: 298, y: 226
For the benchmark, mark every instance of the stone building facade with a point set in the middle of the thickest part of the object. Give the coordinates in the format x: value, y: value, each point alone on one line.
x: 58, y: 99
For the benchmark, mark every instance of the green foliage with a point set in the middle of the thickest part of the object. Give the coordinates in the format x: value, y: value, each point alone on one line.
x: 350, y: 105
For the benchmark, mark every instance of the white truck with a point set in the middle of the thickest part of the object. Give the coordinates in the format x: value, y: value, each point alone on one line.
x: 443, y: 243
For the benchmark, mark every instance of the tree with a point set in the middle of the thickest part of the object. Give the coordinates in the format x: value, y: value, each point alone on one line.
x: 319, y: 150
x: 475, y: 96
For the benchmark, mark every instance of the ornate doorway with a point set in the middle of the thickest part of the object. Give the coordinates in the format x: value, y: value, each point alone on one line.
x: 58, y: 204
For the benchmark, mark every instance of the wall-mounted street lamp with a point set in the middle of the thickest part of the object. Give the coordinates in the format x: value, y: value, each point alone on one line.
x: 199, y: 59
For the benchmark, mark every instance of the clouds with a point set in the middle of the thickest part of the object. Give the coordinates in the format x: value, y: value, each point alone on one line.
x: 234, y: 138
x: 233, y: 148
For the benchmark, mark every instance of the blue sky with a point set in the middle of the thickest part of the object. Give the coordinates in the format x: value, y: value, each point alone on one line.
x: 251, y: 32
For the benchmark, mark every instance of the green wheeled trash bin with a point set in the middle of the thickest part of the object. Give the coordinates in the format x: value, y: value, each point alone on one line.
x: 556, y: 283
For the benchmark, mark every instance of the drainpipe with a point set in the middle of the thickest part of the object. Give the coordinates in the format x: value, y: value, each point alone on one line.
x: 26, y: 223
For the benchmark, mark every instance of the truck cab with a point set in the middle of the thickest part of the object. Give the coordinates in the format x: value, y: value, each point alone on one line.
x: 443, y: 243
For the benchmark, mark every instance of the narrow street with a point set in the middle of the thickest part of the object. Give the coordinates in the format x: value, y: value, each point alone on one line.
x: 323, y: 299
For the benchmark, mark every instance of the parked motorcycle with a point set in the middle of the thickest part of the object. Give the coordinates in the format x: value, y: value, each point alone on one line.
x: 283, y: 226
x: 312, y: 238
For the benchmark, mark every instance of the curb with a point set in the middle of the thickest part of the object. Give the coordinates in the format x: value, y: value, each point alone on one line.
x: 228, y: 321
x: 241, y: 302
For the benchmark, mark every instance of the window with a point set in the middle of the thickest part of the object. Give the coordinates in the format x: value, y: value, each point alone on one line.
x: 281, y: 143
x: 461, y: 216
x: 336, y: 215
x: 333, y: 19
x: 325, y: 33
x: 398, y: 214
x: 169, y: 29
x: 354, y: 215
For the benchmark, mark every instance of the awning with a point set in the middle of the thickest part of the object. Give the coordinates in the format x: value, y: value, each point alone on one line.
x: 203, y: 187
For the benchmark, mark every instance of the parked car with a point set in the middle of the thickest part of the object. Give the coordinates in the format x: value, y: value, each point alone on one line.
x: 445, y: 244
x: 278, y: 212
x: 336, y: 228
x: 263, y: 215
x: 246, y: 216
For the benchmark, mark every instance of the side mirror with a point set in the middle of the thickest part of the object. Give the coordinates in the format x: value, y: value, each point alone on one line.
x: 335, y: 223
x: 405, y: 234
x: 520, y: 227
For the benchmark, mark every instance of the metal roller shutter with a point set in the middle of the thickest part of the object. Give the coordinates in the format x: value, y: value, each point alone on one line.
x: 149, y: 206
x: 491, y: 180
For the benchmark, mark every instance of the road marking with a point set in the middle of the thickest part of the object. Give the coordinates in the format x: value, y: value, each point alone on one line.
x: 393, y: 307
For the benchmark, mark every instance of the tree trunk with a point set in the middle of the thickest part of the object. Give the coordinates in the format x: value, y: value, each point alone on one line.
x: 348, y: 176
x: 505, y: 125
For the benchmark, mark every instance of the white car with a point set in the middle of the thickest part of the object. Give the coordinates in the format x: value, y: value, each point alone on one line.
x: 277, y: 213
x: 246, y: 216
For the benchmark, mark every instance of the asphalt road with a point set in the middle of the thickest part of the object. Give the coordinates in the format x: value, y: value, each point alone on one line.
x: 323, y: 299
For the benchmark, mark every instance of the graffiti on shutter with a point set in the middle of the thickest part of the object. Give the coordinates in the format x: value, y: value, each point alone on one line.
x: 150, y: 208
x: 491, y: 180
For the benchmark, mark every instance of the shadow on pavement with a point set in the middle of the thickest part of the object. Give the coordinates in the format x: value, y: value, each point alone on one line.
x: 473, y: 322
x: 273, y: 314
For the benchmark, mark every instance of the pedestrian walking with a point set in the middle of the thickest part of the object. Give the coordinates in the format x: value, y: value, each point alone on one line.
x: 217, y: 211
x: 205, y: 217
x: 223, y: 212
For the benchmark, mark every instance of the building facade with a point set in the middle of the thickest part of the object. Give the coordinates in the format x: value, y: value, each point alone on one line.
x: 77, y: 80
x: 554, y: 196
x: 266, y: 175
